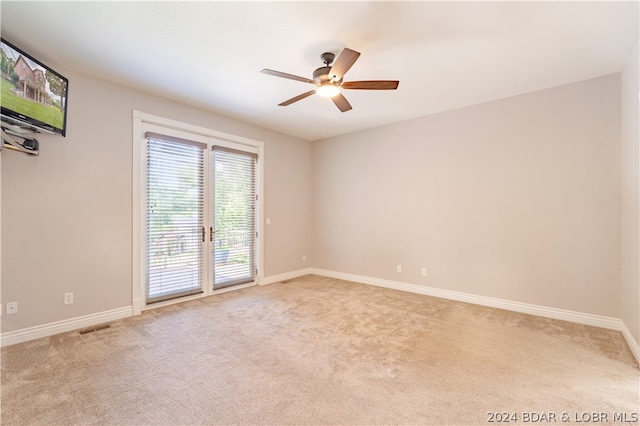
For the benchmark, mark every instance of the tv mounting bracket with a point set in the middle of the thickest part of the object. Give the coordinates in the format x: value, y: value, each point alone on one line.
x: 11, y: 135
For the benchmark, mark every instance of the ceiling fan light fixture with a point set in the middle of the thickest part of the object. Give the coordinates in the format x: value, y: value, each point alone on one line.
x: 328, y: 90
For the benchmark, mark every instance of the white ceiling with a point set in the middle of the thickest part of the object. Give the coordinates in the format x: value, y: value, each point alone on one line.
x: 446, y: 54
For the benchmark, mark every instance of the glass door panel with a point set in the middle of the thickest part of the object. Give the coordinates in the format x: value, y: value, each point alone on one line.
x: 233, y: 232
x: 174, y: 228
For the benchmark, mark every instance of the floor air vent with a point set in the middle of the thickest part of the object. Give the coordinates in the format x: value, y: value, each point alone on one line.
x: 94, y: 329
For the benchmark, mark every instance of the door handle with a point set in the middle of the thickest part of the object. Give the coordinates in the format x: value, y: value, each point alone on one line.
x: 204, y: 234
x: 211, y: 233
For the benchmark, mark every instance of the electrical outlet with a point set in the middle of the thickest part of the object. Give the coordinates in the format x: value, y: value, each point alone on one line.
x: 304, y: 257
x: 68, y: 298
x: 424, y: 272
x: 399, y: 268
x: 12, y: 308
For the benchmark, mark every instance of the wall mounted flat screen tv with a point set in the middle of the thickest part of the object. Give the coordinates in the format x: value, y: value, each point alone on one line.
x: 32, y: 94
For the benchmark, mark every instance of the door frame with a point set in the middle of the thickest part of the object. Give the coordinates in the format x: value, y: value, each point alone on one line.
x: 141, y: 123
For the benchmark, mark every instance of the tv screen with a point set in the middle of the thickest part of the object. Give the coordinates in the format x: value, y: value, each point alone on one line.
x: 32, y: 94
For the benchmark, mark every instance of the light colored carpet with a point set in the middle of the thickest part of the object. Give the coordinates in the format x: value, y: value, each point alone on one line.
x: 319, y: 351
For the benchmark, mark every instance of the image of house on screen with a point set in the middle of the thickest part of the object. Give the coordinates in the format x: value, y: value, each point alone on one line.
x: 31, y: 82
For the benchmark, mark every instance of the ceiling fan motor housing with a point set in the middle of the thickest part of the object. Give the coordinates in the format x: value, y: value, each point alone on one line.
x: 321, y: 75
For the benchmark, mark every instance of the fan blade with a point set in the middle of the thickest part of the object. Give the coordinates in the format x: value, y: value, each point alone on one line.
x: 371, y: 85
x: 344, y: 62
x: 297, y: 98
x: 285, y: 75
x: 341, y: 102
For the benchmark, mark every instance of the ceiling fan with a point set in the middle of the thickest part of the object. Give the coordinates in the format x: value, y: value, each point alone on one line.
x: 329, y: 79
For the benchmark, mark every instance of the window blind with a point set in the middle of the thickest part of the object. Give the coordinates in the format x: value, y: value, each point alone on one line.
x: 175, y: 218
x: 234, y: 201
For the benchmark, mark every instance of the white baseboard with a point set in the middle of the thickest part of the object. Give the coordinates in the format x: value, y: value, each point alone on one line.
x: 633, y: 345
x: 542, y: 311
x: 45, y: 330
x: 286, y: 276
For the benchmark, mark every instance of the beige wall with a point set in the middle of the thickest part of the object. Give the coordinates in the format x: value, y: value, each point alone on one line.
x: 630, y: 196
x: 67, y: 218
x: 517, y: 199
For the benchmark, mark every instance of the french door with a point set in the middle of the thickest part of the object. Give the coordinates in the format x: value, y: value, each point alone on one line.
x: 200, y: 227
x: 175, y: 214
x: 234, y: 201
